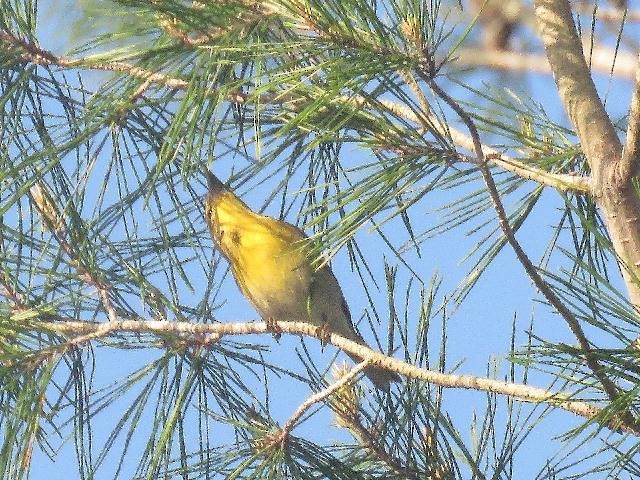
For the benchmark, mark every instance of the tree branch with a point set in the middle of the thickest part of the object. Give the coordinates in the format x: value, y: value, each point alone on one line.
x: 39, y: 56
x: 620, y: 64
x: 87, y: 331
x: 607, y: 14
x: 630, y: 163
x: 612, y: 184
x: 346, y: 407
x: 56, y: 223
x: 564, y: 182
x: 575, y: 85
x: 590, y: 357
x: 318, y: 397
x: 10, y: 294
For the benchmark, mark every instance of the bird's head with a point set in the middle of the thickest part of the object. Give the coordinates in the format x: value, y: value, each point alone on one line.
x: 225, y: 213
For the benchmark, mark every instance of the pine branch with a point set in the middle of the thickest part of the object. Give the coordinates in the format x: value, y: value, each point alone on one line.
x: 39, y: 56
x: 346, y: 406
x: 603, y: 59
x: 607, y: 13
x: 630, y: 162
x: 204, y: 334
x: 281, y: 438
x: 55, y: 222
x: 564, y: 182
x: 590, y: 357
x: 613, y: 186
x: 10, y: 294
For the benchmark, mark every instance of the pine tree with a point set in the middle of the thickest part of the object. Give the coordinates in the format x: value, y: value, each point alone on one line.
x: 384, y: 129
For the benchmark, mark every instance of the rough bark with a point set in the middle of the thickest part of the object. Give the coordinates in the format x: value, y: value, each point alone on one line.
x: 612, y: 185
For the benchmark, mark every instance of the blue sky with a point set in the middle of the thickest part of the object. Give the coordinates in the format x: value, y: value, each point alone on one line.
x: 478, y: 333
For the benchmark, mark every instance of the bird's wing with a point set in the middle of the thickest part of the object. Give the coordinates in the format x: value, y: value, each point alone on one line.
x: 327, y: 305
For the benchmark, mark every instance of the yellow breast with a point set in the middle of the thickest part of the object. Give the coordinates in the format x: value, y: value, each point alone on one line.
x: 267, y: 258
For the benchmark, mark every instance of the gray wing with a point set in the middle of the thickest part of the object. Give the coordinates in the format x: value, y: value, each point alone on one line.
x: 327, y: 305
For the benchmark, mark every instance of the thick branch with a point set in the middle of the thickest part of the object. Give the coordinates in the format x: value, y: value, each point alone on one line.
x: 630, y: 165
x: 612, y: 183
x: 575, y: 85
x: 602, y: 59
x: 202, y: 332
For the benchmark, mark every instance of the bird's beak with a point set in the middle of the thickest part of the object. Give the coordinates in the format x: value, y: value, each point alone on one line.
x: 214, y: 184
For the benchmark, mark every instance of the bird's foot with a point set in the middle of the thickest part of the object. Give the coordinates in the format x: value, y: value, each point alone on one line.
x: 323, y: 332
x: 273, y: 327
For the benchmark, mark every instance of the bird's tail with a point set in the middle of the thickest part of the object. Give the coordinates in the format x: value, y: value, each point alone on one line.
x: 380, y: 377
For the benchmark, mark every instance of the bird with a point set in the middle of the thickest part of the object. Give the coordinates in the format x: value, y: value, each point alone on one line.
x: 270, y: 264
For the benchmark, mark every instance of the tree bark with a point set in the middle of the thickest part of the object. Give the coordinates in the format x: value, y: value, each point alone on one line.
x: 613, y: 188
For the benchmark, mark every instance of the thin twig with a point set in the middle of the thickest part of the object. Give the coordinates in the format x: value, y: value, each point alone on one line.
x: 318, y: 397
x: 419, y: 94
x: 10, y: 294
x: 346, y: 408
x: 565, y: 182
x: 39, y: 56
x: 371, y: 443
x: 170, y: 28
x: 590, y: 357
x: 94, y: 331
x: 55, y: 223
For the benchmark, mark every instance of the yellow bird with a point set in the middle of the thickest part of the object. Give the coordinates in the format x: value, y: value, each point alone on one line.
x: 273, y: 271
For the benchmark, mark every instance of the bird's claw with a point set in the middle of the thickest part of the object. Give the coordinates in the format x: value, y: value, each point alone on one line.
x: 273, y: 327
x: 323, y: 332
